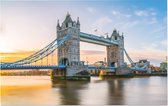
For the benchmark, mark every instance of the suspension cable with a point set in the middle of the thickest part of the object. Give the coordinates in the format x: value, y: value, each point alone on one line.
x: 49, y: 49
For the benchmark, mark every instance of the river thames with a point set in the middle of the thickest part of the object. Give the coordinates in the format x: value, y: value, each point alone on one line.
x: 40, y: 91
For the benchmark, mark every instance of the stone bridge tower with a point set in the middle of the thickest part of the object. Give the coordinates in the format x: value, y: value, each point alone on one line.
x: 69, y: 53
x: 115, y: 53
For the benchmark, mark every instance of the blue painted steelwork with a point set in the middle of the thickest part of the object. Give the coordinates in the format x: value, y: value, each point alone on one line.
x: 112, y: 69
x: 38, y: 55
x: 33, y: 67
x: 90, y: 38
x: 128, y: 57
x: 100, y: 67
x: 135, y: 67
x: 138, y: 69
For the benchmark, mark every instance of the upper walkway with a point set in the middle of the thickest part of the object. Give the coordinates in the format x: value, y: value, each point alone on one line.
x: 90, y: 38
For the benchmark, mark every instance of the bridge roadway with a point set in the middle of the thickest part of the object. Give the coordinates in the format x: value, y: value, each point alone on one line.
x: 33, y: 67
x: 112, y: 69
x: 53, y: 67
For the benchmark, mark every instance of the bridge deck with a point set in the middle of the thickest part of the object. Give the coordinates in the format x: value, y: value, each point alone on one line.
x: 33, y: 67
x: 50, y: 67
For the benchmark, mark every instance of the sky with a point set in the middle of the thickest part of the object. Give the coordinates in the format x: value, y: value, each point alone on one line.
x: 28, y: 26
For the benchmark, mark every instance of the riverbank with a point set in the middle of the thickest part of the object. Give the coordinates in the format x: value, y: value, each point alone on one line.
x: 131, y: 75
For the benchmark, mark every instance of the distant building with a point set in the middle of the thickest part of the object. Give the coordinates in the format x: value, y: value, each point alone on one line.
x: 144, y: 64
x: 163, y: 66
x: 154, y: 68
x: 100, y: 63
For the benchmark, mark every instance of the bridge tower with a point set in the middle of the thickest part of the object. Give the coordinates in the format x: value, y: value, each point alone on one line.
x: 115, y: 53
x: 69, y: 53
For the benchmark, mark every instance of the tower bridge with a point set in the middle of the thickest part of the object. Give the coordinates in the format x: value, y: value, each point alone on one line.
x: 67, y: 45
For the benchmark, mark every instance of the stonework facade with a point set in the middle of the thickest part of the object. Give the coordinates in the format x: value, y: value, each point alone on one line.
x: 69, y: 53
x: 115, y: 53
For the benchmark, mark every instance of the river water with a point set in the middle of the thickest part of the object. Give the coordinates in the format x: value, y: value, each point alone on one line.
x: 40, y: 91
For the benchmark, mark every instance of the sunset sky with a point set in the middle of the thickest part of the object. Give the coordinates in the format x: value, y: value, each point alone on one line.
x: 26, y: 27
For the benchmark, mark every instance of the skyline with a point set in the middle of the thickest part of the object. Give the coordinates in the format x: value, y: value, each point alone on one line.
x: 143, y: 25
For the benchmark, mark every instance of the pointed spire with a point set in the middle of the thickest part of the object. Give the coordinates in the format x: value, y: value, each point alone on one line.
x: 68, y: 14
x: 107, y: 36
x: 122, y: 35
x: 78, y: 23
x: 58, y: 25
x: 114, y: 30
x: 114, y: 33
x: 68, y: 18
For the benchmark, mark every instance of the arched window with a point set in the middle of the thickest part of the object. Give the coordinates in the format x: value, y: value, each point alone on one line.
x: 66, y: 25
x: 115, y: 38
x: 64, y: 61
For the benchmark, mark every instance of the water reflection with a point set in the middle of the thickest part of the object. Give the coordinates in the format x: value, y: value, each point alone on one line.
x: 69, y: 91
x: 40, y: 91
x: 115, y: 92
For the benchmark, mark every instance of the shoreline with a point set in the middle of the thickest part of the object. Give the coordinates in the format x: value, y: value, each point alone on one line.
x: 132, y: 75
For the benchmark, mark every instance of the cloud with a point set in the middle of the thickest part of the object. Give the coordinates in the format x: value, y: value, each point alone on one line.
x: 127, y: 15
x: 114, y: 12
x: 150, y: 54
x: 153, y: 21
x: 150, y: 47
x: 120, y: 14
x: 153, y: 13
x: 103, y: 21
x: 14, y: 56
x: 91, y: 9
x: 149, y: 12
x: 92, y: 56
x: 17, y: 52
x: 151, y: 51
x: 99, y: 24
x: 21, y: 54
x: 160, y: 29
x: 130, y: 24
x: 141, y: 13
x: 164, y: 42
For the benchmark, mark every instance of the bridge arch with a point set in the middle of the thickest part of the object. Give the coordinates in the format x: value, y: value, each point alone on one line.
x: 64, y: 61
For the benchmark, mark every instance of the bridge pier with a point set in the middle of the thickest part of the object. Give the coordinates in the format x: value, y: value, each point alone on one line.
x: 68, y: 73
x: 57, y: 74
x: 123, y: 70
x: 115, y: 54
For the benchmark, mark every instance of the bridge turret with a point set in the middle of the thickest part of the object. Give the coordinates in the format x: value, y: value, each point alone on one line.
x: 67, y: 22
x: 122, y: 35
x: 78, y: 23
x: 115, y: 53
x: 69, y: 53
x: 58, y: 25
x: 115, y: 35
